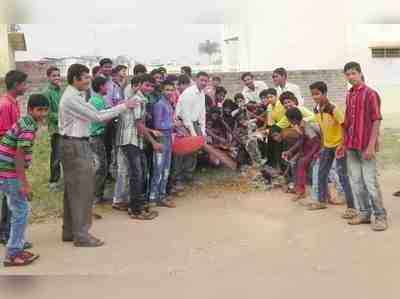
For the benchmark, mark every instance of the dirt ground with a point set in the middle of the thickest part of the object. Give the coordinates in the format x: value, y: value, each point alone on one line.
x: 219, y: 245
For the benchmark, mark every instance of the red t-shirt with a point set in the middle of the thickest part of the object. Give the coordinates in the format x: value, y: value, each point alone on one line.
x: 363, y: 108
x: 9, y: 113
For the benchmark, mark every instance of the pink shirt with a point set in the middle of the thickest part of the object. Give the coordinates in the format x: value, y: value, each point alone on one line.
x: 9, y: 113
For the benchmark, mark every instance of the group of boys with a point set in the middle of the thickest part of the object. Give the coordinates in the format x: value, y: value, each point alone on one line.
x: 102, y: 127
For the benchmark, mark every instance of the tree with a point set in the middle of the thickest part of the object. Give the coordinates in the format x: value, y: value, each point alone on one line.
x: 209, y: 48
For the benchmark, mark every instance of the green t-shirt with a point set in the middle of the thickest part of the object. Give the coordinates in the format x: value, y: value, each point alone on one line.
x: 97, y: 128
x: 53, y: 94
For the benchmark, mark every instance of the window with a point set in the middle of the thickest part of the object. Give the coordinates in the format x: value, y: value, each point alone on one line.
x: 385, y: 52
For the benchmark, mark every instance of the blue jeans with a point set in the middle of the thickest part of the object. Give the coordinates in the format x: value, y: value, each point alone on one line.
x: 314, y: 186
x: 333, y: 178
x: 19, y: 207
x: 160, y: 172
x: 327, y: 156
x: 364, y: 181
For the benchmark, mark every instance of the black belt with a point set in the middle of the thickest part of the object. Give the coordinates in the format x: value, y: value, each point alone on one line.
x: 75, y: 138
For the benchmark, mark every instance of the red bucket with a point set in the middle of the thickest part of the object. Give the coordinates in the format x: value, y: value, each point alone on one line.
x: 182, y: 146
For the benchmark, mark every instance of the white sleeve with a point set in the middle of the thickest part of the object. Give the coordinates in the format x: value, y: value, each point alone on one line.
x: 297, y: 93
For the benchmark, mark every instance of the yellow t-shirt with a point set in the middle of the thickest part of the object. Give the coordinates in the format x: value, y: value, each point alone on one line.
x: 277, y: 112
x: 308, y: 116
x: 331, y: 127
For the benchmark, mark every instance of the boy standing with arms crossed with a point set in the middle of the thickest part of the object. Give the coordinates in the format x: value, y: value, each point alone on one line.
x: 362, y: 123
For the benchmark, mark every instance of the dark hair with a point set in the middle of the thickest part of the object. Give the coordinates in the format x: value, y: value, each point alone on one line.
x: 221, y: 89
x: 76, y: 71
x: 288, y: 95
x: 146, y: 78
x: 138, y: 69
x: 215, y: 110
x: 280, y: 71
x: 228, y: 103
x: 52, y: 69
x: 162, y: 69
x: 38, y: 101
x: 118, y: 68
x: 156, y: 71
x: 202, y: 74
x: 187, y: 70
x: 352, y: 66
x: 216, y: 78
x: 172, y: 78
x: 247, y: 74
x: 95, y: 70
x: 294, y: 114
x: 105, y: 61
x: 321, y: 86
x: 166, y: 83
x: 135, y: 80
x: 13, y: 78
x: 98, y: 82
x: 266, y: 92
x: 238, y: 96
x: 183, y: 80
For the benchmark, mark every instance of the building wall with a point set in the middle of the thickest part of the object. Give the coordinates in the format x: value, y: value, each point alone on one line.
x: 7, y: 61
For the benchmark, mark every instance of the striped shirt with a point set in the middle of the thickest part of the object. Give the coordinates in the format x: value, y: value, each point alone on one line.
x: 20, y: 137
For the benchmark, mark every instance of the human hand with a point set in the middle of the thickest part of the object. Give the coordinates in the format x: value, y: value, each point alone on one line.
x: 131, y: 103
x: 285, y: 156
x: 340, y: 152
x: 157, y: 133
x: 158, y: 147
x: 369, y: 153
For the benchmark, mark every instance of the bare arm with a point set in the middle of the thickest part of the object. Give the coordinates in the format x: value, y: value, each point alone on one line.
x: 20, y: 170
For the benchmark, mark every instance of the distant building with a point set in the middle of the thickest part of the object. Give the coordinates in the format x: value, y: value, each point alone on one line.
x: 10, y: 40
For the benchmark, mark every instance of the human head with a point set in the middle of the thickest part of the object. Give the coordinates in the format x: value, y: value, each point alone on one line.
x: 139, y: 69
x: 147, y: 84
x: 228, y: 106
x: 276, y: 133
x: 54, y: 76
x: 216, y: 81
x: 202, y: 79
x: 96, y: 71
x: 288, y: 99
x: 294, y: 116
x: 119, y: 74
x: 239, y: 99
x: 186, y: 70
x: 106, y: 66
x: 319, y: 91
x: 158, y: 76
x: 269, y: 96
x: 353, y: 73
x: 220, y: 93
x: 38, y: 107
x: 99, y: 85
x: 168, y: 88
x: 136, y: 83
x: 279, y: 77
x: 163, y: 71
x: 248, y: 80
x: 215, y: 113
x: 183, y: 83
x: 78, y: 76
x: 16, y: 82
x: 172, y: 78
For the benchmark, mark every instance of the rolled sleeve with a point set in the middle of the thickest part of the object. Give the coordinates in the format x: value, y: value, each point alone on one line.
x: 375, y: 106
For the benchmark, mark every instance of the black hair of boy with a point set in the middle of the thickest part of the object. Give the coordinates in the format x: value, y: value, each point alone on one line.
x: 135, y: 81
x: 147, y: 78
x: 167, y: 83
x: 97, y: 83
x: 187, y: 70
x: 352, y: 66
x: 183, y: 80
x: 13, y: 78
x: 268, y: 92
x: 76, y: 71
x: 216, y: 78
x: 52, y: 69
x: 238, y: 96
x: 155, y: 72
x: 221, y: 90
x: 280, y: 71
x: 202, y: 74
x: 139, y: 69
x: 105, y: 61
x: 321, y: 86
x: 95, y: 70
x: 247, y: 74
x: 294, y: 115
x: 118, y: 68
x: 288, y: 95
x: 37, y: 101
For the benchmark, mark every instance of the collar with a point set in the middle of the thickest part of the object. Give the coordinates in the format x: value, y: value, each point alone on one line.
x: 10, y: 98
x: 359, y: 87
x: 53, y: 87
x: 75, y: 91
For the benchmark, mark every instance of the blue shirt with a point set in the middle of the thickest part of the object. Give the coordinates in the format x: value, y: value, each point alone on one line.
x: 162, y: 115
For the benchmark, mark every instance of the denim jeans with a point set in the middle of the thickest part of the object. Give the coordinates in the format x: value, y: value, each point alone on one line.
x: 100, y: 164
x: 314, y: 185
x: 121, y: 188
x: 333, y: 178
x: 137, y: 166
x: 5, y: 217
x: 160, y: 170
x: 19, y: 207
x: 55, y: 158
x: 363, y: 176
x: 327, y: 156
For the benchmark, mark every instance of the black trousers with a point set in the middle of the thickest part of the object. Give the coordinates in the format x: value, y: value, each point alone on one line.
x: 55, y: 158
x: 137, y: 169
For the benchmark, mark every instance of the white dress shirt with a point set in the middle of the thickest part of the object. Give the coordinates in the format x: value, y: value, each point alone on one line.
x: 254, y: 95
x: 293, y: 88
x: 191, y: 108
x: 75, y: 114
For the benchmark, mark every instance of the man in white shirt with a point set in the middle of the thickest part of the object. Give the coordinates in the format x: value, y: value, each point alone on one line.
x: 252, y: 88
x: 191, y: 110
x: 75, y: 117
x: 279, y: 78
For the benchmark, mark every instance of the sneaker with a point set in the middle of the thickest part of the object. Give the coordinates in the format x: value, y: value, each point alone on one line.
x: 357, y: 220
x: 380, y: 224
